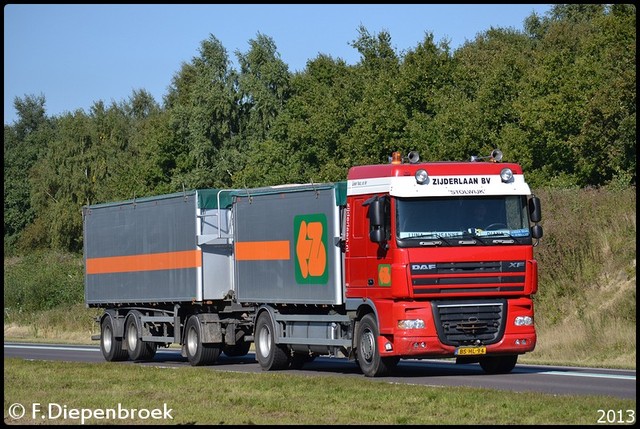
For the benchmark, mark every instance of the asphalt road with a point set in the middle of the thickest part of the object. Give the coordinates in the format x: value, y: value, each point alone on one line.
x: 524, y: 378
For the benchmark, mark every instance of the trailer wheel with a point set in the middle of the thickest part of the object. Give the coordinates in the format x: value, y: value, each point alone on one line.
x: 198, y: 353
x: 271, y: 356
x: 110, y: 346
x: 238, y: 349
x: 367, y: 354
x: 498, y: 364
x: 138, y: 350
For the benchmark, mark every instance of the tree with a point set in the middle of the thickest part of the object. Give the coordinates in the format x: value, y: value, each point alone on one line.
x: 425, y: 83
x: 303, y: 143
x: 24, y: 143
x: 380, y: 117
x: 578, y: 101
x: 31, y: 114
x: 488, y: 78
x: 203, y: 109
x: 59, y: 184
x: 263, y: 85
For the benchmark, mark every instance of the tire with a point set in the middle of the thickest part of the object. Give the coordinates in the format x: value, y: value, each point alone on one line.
x: 270, y: 356
x: 498, y: 364
x: 138, y: 350
x: 238, y: 349
x: 367, y: 354
x: 110, y: 346
x: 198, y: 353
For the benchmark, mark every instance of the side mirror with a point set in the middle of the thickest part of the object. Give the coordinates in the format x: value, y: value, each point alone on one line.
x: 376, y: 213
x: 377, y: 235
x: 535, y: 210
x: 536, y: 231
x: 377, y: 219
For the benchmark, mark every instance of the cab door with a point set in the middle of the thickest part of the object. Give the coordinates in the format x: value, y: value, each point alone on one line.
x: 368, y: 271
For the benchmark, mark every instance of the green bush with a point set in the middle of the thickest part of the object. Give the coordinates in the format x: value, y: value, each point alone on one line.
x: 40, y: 281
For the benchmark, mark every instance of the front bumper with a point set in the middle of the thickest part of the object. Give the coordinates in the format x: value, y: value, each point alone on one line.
x: 431, y: 347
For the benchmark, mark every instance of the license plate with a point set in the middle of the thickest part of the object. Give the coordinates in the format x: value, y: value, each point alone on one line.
x: 471, y: 351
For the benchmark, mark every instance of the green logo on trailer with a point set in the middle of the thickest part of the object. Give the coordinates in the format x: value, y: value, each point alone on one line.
x: 310, y: 234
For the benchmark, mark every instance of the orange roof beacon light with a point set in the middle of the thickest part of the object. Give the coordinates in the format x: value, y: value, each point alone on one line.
x: 396, y: 158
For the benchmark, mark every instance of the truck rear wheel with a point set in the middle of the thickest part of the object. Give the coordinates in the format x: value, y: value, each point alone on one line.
x: 198, y: 353
x: 367, y: 354
x: 138, y: 350
x: 498, y: 364
x: 111, y: 346
x: 271, y: 356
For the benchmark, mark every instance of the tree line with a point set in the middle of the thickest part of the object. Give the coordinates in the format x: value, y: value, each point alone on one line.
x: 558, y: 97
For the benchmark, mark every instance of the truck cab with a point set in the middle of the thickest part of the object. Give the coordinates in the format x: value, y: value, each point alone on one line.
x: 441, y: 256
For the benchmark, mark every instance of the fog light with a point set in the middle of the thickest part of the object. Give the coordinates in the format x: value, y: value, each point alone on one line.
x: 521, y: 342
x: 388, y: 347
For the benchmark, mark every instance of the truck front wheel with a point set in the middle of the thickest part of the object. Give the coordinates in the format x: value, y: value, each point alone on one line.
x: 271, y: 356
x: 367, y: 354
x: 498, y: 364
x: 138, y: 350
x: 111, y: 346
x: 198, y: 353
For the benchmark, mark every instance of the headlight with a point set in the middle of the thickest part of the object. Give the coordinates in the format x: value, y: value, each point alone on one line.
x: 523, y: 321
x: 411, y: 324
x: 421, y: 177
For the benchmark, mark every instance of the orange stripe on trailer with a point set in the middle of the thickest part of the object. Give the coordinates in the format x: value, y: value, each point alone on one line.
x: 145, y: 262
x: 263, y: 250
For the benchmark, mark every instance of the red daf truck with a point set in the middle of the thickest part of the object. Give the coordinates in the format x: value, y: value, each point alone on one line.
x: 402, y: 260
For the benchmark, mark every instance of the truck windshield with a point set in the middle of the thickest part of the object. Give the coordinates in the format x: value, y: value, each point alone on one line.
x: 489, y: 220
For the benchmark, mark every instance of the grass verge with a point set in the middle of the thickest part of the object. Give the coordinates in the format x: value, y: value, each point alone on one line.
x: 201, y: 396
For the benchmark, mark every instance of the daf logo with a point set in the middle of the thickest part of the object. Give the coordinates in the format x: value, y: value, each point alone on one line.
x: 516, y: 264
x: 420, y: 267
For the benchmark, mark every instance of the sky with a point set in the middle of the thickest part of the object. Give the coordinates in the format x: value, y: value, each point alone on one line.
x: 77, y: 55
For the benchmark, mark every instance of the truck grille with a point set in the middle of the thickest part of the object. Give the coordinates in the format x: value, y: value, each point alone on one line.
x: 469, y: 322
x: 467, y: 277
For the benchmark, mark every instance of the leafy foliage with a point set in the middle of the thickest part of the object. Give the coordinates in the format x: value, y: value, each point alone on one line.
x: 41, y: 281
x: 558, y: 98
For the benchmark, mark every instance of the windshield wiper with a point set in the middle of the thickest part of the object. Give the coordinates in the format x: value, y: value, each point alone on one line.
x: 438, y: 239
x: 502, y: 236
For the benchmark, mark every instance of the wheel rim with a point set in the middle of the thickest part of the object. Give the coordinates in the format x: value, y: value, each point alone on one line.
x: 192, y: 341
x: 106, y: 339
x: 264, y: 341
x: 367, y: 344
x: 132, y: 337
